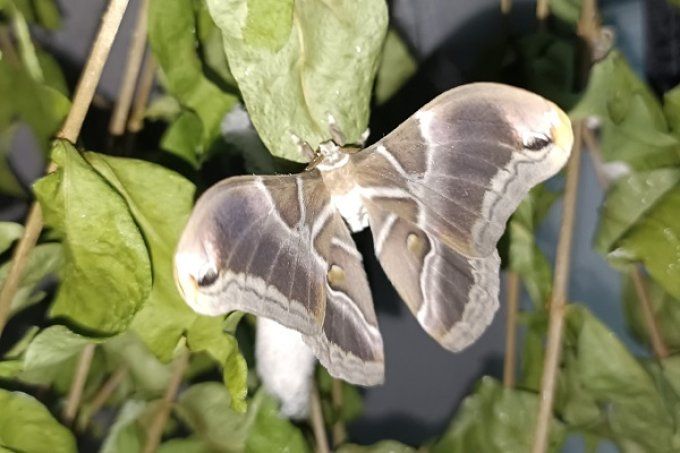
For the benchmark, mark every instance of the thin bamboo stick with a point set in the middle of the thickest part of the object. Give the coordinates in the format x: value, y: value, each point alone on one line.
x: 134, y: 63
x: 155, y: 430
x: 558, y: 300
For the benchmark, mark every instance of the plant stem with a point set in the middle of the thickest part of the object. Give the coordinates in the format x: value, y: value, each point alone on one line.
x: 339, y: 430
x: 512, y: 304
x: 146, y: 80
x: 132, y: 68
x: 75, y: 393
x: 558, y: 299
x: 658, y: 344
x: 542, y: 10
x: 103, y: 395
x: 69, y: 131
x: 155, y: 430
x: 316, y: 418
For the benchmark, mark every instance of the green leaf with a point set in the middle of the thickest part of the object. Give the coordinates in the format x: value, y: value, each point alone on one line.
x: 544, y: 64
x: 49, y: 349
x: 397, y: 65
x: 206, y: 409
x: 38, y: 104
x: 385, y: 446
x: 223, y: 349
x: 184, y: 138
x: 212, y: 50
x: 655, y: 241
x: 149, y: 376
x: 525, y: 257
x: 26, y: 425
x: 567, y: 10
x: 107, y: 274
x: 494, y: 418
x: 634, y: 127
x: 47, y: 14
x: 165, y: 108
x: 172, y: 36
x: 160, y: 202
x: 609, y: 391
x: 629, y: 200
x: 9, y: 232
x: 43, y: 260
x: 311, y: 58
x: 671, y: 108
x: 666, y: 310
x: 270, y: 432
x: 9, y: 182
x: 639, y: 223
x: 189, y: 445
x: 125, y: 435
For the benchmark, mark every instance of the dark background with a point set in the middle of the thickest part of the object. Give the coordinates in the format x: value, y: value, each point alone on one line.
x: 424, y: 383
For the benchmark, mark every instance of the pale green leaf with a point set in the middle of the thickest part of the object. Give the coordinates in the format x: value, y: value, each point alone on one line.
x: 149, y: 375
x: 385, y: 446
x: 43, y: 260
x: 493, y: 419
x: 107, y: 274
x: 666, y: 310
x: 125, y: 435
x: 172, y: 35
x: 49, y: 349
x: 189, y: 445
x: 9, y: 182
x: 272, y: 433
x: 298, y: 62
x: 655, y: 240
x: 223, y: 348
x: 567, y: 10
x: 671, y: 108
x: 609, y: 391
x: 184, y: 138
x: 160, y: 201
x: 27, y: 426
x: 9, y: 232
x: 397, y: 65
x: 628, y: 200
x: 634, y: 127
x: 526, y: 259
x: 206, y: 409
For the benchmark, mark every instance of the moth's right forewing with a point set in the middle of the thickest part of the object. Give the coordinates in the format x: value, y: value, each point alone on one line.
x: 253, y: 233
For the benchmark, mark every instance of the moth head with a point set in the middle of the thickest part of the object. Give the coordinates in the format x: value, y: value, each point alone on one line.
x: 196, y: 269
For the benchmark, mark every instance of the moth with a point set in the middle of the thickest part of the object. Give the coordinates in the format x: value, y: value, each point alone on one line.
x: 436, y: 193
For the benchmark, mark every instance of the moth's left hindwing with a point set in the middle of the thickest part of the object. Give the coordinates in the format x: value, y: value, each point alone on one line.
x: 275, y: 247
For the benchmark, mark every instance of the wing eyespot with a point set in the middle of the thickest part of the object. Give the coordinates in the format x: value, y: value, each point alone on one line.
x: 207, y: 279
x: 336, y: 275
x: 537, y: 142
